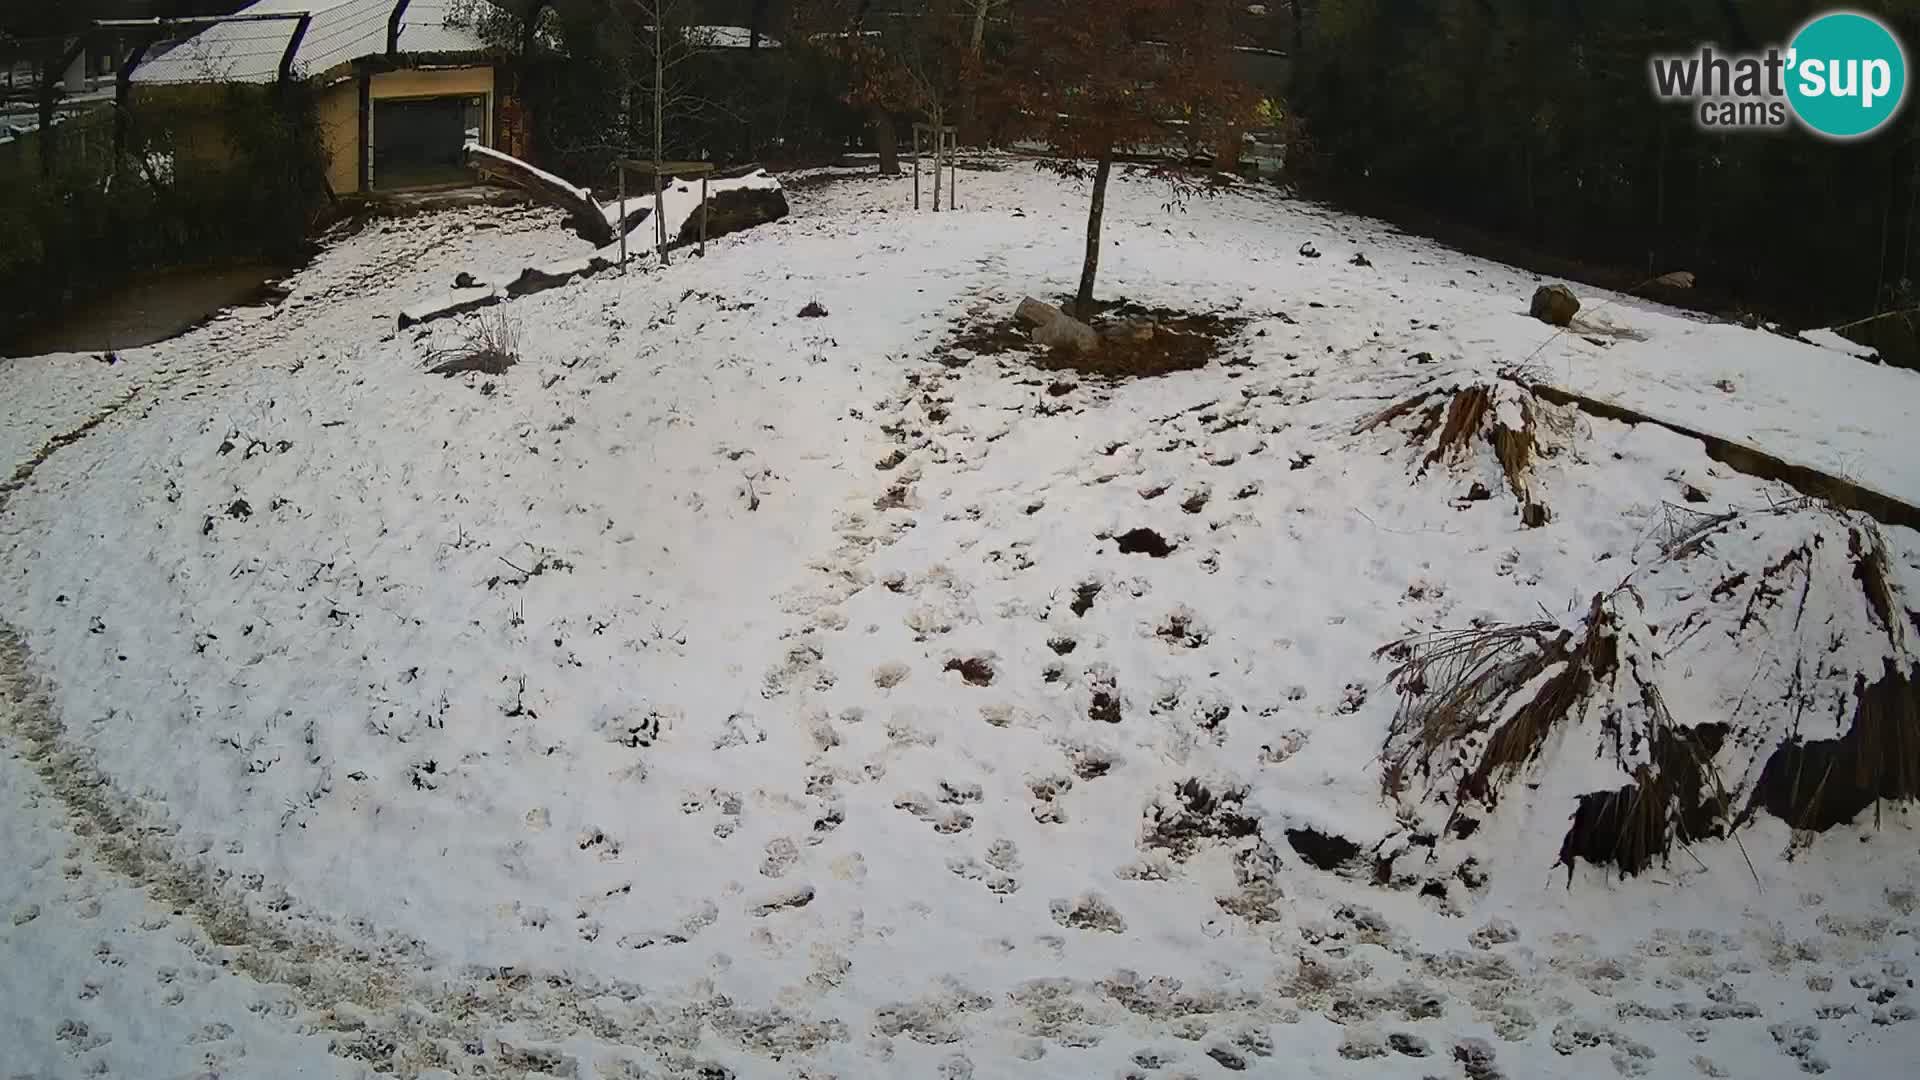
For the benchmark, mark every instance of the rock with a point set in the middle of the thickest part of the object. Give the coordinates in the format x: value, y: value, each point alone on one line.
x: 734, y: 210
x: 1069, y: 333
x: 1555, y: 305
x: 1131, y: 332
x: 1036, y: 313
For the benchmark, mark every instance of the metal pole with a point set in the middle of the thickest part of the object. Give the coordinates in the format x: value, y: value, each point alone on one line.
x: 703, y: 215
x: 939, y: 144
x: 621, y: 168
x: 916, y: 167
x: 953, y: 174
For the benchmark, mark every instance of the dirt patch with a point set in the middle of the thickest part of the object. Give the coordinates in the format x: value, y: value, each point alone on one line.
x: 1324, y: 850
x: 1083, y: 598
x: 1182, y: 630
x: 976, y: 670
x: 1145, y: 542
x: 1180, y: 341
x: 1195, y: 813
x: 981, y: 337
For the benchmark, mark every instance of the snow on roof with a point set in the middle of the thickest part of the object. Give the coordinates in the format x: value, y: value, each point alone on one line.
x: 341, y: 30
x: 728, y: 37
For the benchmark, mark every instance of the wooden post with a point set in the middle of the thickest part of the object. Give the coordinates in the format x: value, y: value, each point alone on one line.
x: 703, y: 215
x: 622, y: 170
x: 659, y: 222
x: 953, y: 174
x: 939, y: 144
x: 916, y: 166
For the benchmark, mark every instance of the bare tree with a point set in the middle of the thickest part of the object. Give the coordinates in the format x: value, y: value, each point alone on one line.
x: 906, y: 56
x: 1142, y: 74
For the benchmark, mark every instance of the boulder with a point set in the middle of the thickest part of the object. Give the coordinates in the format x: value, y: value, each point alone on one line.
x: 1068, y: 333
x: 1036, y: 313
x: 1131, y: 332
x: 1555, y: 305
x: 734, y: 210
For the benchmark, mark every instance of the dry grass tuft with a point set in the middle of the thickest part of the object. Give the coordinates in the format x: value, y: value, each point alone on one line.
x: 490, y: 343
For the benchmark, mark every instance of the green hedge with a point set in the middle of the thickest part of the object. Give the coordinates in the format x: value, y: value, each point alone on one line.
x: 212, y: 175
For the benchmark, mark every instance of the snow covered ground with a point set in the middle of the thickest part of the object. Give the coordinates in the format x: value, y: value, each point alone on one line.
x: 726, y: 692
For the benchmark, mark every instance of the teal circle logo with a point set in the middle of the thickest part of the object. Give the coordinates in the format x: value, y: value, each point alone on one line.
x: 1847, y: 75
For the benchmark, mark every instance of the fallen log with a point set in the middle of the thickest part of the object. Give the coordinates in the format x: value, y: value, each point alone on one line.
x: 584, y: 215
x: 1810, y: 482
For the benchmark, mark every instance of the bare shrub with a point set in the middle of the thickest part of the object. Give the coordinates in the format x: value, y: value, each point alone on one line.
x: 488, y: 343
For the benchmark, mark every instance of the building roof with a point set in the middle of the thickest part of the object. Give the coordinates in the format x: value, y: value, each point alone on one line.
x: 341, y: 30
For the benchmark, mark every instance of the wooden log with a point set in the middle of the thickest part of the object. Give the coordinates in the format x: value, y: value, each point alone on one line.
x: 584, y: 215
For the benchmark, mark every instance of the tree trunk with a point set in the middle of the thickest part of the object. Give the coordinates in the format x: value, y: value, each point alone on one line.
x: 49, y: 139
x: 1083, y: 304
x: 585, y: 215
x: 887, y: 141
x: 659, y: 133
x: 756, y: 21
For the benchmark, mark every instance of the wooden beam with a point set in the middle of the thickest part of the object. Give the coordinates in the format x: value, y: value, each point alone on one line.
x: 393, y: 26
x: 293, y: 47
x: 200, y: 21
x: 667, y: 168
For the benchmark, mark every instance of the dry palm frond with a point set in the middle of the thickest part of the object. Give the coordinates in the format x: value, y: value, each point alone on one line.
x: 1594, y: 657
x: 1449, y: 682
x: 1464, y: 415
x: 1822, y: 783
x: 1395, y: 411
x: 1502, y: 410
x: 1869, y: 554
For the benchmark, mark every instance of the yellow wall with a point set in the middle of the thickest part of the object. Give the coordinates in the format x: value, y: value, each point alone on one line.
x: 462, y: 82
x: 400, y: 84
x: 340, y: 131
x: 339, y: 113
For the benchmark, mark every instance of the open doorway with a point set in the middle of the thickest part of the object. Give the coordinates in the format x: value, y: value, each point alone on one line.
x: 417, y: 142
